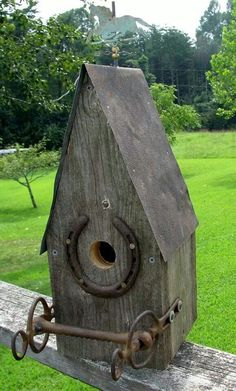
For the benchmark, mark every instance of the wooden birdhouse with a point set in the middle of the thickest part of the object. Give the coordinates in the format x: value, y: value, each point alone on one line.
x: 121, y: 232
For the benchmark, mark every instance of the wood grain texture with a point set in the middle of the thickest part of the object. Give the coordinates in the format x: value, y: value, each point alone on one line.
x: 129, y: 108
x: 194, y: 368
x: 180, y: 281
x: 94, y: 171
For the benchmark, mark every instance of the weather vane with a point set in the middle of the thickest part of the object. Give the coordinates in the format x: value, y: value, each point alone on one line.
x: 112, y: 29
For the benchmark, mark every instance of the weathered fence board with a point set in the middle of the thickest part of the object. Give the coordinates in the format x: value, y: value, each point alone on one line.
x: 194, y: 368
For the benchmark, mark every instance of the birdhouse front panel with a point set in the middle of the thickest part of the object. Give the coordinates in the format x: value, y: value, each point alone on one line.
x: 117, y: 195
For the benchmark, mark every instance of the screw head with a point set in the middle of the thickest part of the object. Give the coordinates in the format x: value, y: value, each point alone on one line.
x: 179, y: 305
x: 68, y: 241
x: 105, y: 204
x: 171, y: 317
x: 132, y: 246
x: 151, y: 259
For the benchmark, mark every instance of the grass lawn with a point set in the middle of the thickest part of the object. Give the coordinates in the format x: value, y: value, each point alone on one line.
x: 206, y: 145
x: 21, y: 229
x: 208, y: 163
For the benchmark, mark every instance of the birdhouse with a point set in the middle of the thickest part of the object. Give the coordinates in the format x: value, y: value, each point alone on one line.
x: 121, y: 232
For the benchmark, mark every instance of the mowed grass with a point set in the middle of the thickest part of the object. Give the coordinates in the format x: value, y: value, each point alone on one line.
x: 206, y: 145
x: 212, y: 184
x: 21, y: 230
x: 208, y: 164
x: 210, y: 173
x: 29, y: 375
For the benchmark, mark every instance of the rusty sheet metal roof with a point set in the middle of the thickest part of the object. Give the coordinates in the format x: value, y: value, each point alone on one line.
x: 126, y: 101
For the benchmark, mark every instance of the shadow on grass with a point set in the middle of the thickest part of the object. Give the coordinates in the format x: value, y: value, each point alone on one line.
x: 188, y: 175
x: 35, y: 278
x: 16, y: 215
x: 227, y: 182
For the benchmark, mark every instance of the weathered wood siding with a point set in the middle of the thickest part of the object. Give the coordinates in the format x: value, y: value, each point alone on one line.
x: 94, y: 171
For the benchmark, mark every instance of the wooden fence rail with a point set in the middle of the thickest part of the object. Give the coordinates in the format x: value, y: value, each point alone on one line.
x: 194, y: 368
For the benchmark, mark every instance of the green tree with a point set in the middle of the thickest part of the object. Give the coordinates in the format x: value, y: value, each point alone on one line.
x: 77, y: 17
x: 176, y: 50
x: 207, y: 107
x: 209, y: 34
x: 31, y: 54
x: 39, y: 64
x: 222, y: 75
x: 27, y: 165
x: 142, y: 63
x: 171, y: 58
x: 174, y: 117
x: 211, y: 24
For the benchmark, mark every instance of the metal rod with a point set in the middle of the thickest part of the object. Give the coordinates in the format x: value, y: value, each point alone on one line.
x: 41, y: 326
x: 113, y: 7
x: 45, y: 326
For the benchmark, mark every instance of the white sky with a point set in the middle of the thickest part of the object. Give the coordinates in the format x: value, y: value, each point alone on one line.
x: 182, y: 14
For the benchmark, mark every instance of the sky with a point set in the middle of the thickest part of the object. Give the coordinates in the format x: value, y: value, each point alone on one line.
x: 182, y: 14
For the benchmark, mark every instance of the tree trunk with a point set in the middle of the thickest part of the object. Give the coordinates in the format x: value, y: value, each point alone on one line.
x: 30, y: 193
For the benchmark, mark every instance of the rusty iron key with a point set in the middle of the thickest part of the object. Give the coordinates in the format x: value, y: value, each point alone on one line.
x: 133, y: 340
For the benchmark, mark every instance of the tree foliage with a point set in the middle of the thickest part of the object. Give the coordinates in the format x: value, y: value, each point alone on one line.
x: 27, y: 165
x: 32, y: 54
x: 211, y: 25
x: 77, y: 17
x: 142, y: 63
x: 174, y: 117
x: 39, y: 63
x: 209, y: 34
x: 222, y: 75
x: 169, y: 48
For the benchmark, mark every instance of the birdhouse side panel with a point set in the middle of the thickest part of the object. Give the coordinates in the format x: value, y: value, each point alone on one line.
x: 181, y: 283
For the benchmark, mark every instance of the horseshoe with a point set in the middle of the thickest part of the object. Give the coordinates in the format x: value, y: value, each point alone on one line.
x: 89, y: 286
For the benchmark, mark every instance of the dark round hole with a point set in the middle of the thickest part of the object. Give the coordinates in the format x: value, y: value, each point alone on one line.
x: 102, y: 254
x: 107, y: 252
